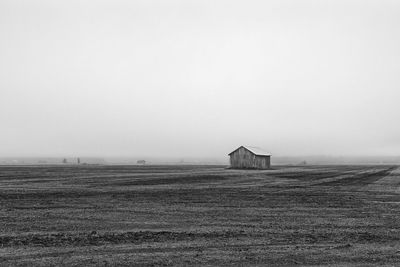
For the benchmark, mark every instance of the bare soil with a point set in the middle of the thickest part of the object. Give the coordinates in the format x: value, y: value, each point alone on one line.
x: 199, y: 215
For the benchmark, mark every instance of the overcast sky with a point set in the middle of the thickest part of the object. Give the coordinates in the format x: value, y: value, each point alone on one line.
x: 199, y: 78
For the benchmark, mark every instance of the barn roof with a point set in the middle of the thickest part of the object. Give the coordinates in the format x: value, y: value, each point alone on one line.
x: 255, y: 150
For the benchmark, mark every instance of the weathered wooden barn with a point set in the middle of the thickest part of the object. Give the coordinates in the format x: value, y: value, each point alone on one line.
x: 247, y: 157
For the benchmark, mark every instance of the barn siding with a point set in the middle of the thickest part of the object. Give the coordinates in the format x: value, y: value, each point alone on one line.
x: 244, y: 159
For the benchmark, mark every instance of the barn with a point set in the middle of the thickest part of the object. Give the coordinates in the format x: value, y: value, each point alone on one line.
x: 247, y: 157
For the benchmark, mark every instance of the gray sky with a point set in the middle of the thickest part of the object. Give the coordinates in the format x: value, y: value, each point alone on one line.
x: 199, y: 78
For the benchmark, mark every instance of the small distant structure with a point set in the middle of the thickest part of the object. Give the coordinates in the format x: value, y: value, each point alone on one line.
x: 141, y: 162
x: 248, y: 157
x: 64, y: 161
x: 78, y: 161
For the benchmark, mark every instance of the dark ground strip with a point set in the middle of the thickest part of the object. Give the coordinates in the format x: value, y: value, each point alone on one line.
x: 261, y: 197
x: 94, y: 238
x: 309, y: 176
x: 14, y: 173
x: 170, y: 180
x: 269, y: 238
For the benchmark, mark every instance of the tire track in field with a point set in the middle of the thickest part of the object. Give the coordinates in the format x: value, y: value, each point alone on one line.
x: 360, y: 179
x: 390, y: 183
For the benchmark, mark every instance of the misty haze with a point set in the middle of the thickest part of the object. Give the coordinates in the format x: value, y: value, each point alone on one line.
x: 197, y: 78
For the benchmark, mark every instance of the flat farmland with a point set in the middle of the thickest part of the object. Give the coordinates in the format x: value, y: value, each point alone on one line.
x: 199, y: 215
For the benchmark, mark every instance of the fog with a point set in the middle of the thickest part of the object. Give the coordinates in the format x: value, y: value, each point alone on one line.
x: 199, y: 78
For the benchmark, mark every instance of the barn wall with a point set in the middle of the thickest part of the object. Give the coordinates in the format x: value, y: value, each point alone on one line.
x: 242, y: 158
x: 262, y: 162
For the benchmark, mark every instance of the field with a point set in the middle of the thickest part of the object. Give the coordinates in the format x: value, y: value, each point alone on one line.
x: 199, y: 215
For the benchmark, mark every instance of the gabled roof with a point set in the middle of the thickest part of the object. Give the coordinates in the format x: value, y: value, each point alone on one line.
x: 255, y: 150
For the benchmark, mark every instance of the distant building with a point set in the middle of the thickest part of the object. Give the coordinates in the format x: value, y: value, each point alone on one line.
x: 141, y: 162
x: 247, y: 157
x: 64, y: 161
